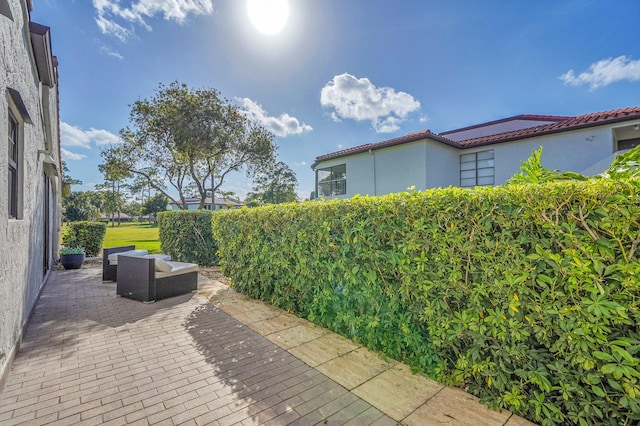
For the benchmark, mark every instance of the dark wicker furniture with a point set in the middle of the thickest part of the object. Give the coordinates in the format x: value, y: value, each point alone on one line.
x: 139, y: 280
x: 110, y: 272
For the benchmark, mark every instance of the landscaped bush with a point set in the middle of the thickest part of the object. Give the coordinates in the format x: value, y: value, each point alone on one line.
x: 526, y: 295
x: 186, y: 236
x: 89, y: 235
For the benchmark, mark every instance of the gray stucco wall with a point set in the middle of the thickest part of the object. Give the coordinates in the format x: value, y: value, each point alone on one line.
x: 23, y: 244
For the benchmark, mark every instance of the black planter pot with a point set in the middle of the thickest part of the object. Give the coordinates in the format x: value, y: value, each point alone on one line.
x: 72, y: 261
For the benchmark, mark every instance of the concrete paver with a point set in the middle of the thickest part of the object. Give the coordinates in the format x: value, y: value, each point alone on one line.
x: 455, y: 407
x: 323, y: 349
x: 409, y: 391
x: 90, y: 357
x: 356, y: 367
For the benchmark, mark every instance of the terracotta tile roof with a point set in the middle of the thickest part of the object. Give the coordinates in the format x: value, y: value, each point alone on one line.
x: 526, y: 117
x: 579, y: 122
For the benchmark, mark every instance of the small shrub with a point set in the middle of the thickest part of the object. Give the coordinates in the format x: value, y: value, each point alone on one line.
x: 89, y: 235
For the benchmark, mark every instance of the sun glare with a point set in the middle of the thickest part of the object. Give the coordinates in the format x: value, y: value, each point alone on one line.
x: 268, y: 16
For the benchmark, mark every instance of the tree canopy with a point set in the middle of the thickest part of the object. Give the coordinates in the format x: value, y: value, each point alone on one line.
x: 154, y: 205
x: 277, y: 184
x: 182, y: 138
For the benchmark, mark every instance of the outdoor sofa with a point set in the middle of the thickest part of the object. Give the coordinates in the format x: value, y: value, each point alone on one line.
x: 110, y: 260
x: 150, y: 278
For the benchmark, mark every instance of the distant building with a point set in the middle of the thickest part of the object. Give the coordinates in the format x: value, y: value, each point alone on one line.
x: 30, y: 178
x: 220, y: 204
x: 484, y: 154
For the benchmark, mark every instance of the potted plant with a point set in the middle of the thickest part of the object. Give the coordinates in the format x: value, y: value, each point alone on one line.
x: 71, y: 257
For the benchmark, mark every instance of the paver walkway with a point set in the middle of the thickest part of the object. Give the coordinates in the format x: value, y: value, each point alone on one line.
x: 90, y: 357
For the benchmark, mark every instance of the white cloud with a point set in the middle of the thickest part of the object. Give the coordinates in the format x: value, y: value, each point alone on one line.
x: 109, y: 51
x: 68, y: 155
x: 300, y: 164
x: 119, y: 20
x: 109, y: 27
x: 605, y: 72
x: 281, y: 126
x: 75, y: 136
x: 359, y: 99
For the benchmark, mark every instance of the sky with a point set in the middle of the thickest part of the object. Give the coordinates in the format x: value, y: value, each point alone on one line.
x: 325, y: 75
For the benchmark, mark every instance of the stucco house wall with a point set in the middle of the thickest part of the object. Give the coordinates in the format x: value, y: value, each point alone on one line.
x: 424, y: 164
x: 570, y: 151
x: 585, y: 144
x: 28, y: 242
x: 360, y: 176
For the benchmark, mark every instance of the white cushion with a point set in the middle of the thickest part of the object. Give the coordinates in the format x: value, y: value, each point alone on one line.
x: 113, y: 257
x: 177, y: 268
x: 162, y: 266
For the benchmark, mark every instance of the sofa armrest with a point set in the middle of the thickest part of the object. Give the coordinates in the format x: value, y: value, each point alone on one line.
x: 109, y: 273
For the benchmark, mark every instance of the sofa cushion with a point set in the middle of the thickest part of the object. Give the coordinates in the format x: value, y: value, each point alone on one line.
x: 113, y: 257
x: 162, y: 266
x: 177, y: 268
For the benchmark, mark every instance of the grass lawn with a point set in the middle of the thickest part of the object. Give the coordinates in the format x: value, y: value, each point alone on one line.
x: 141, y: 234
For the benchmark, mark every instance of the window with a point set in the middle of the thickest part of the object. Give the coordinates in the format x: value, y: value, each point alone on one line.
x: 628, y: 144
x: 332, y: 181
x: 14, y: 167
x: 477, y: 169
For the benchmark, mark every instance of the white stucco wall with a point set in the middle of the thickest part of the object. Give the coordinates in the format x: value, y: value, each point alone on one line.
x: 23, y: 270
x: 567, y: 151
x: 443, y: 165
x: 431, y: 164
x: 399, y: 167
x: 423, y: 164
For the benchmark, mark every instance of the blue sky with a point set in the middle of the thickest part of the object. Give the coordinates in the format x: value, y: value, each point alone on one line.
x: 340, y: 73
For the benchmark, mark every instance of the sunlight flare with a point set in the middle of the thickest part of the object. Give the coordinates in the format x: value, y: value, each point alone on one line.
x: 268, y: 16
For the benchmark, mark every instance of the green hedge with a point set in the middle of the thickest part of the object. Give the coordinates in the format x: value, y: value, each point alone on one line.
x: 527, y: 296
x: 186, y: 236
x: 89, y: 235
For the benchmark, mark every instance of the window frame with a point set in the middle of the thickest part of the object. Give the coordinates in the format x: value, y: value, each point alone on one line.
x: 337, y: 183
x: 477, y: 169
x: 14, y: 165
x: 627, y: 144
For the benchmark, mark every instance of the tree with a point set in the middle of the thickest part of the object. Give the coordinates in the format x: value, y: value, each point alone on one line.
x: 183, y: 137
x: 154, y: 205
x: 66, y: 177
x: 114, y: 200
x: 82, y: 206
x: 276, y: 185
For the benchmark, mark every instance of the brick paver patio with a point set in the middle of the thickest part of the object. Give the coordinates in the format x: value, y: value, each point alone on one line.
x: 92, y: 358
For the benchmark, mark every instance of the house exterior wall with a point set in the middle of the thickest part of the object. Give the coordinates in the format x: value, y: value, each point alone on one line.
x: 423, y: 164
x: 567, y: 151
x: 26, y: 240
x: 430, y: 164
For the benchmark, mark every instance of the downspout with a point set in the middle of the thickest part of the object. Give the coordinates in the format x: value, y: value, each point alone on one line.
x: 375, y: 178
x: 315, y: 189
